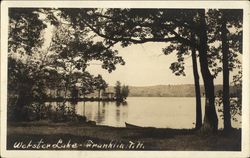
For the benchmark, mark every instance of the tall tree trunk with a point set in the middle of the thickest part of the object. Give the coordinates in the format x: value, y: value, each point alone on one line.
x: 210, y: 117
x: 65, y: 93
x: 197, y: 88
x: 99, y: 94
x: 225, y: 52
x: 24, y: 99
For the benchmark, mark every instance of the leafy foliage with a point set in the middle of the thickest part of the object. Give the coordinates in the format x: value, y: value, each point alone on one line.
x: 234, y: 36
x: 34, y: 67
x: 121, y: 92
x: 25, y: 30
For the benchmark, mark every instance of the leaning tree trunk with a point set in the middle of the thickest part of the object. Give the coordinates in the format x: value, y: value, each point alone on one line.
x: 210, y: 117
x: 197, y: 88
x: 225, y: 50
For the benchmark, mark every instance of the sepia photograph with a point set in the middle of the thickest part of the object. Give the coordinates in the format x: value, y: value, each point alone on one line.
x: 139, y: 78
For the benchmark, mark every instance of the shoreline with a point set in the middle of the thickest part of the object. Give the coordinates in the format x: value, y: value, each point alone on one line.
x: 102, y: 100
x: 98, y: 137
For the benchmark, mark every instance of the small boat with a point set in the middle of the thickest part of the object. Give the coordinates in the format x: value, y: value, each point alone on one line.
x: 128, y: 125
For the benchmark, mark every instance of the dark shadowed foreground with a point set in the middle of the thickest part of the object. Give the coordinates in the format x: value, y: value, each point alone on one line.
x: 72, y: 136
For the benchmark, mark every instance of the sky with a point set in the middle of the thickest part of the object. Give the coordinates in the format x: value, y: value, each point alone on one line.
x: 146, y: 65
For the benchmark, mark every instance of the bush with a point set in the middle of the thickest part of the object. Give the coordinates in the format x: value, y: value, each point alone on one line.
x: 41, y: 111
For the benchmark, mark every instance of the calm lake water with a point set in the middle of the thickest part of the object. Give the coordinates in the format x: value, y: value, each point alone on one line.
x: 162, y: 112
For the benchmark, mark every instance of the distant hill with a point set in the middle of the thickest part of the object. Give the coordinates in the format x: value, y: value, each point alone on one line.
x: 185, y: 90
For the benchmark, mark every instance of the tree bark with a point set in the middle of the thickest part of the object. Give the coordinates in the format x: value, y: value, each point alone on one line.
x: 225, y: 52
x: 24, y: 99
x: 197, y: 88
x: 65, y: 93
x: 210, y: 116
x: 99, y: 94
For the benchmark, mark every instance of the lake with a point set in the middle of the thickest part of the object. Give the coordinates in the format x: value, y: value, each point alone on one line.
x: 162, y: 112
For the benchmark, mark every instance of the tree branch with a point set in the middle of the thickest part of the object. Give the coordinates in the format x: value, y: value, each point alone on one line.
x: 139, y: 41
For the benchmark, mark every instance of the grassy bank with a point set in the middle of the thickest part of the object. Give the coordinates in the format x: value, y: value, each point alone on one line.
x: 90, y: 137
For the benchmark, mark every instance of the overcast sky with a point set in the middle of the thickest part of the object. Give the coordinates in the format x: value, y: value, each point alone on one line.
x: 147, y: 65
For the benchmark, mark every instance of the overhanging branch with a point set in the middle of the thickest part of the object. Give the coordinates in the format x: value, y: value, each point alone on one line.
x: 140, y: 41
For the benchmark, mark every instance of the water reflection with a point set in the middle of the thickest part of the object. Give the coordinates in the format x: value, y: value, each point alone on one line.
x: 154, y: 112
x: 100, y: 113
x: 124, y: 103
x: 104, y: 113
